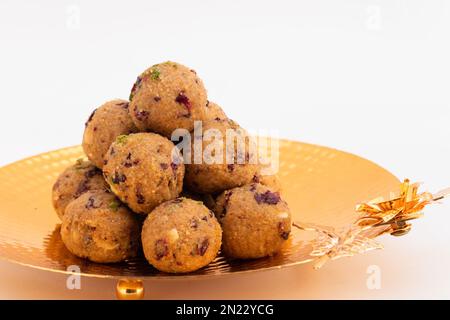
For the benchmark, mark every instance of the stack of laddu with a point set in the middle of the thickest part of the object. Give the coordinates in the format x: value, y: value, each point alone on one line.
x: 136, y: 193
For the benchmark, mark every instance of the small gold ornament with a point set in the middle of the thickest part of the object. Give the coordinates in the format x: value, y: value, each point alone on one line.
x: 377, y: 217
x: 130, y: 289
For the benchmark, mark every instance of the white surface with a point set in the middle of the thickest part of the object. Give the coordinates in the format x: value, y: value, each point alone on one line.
x: 369, y: 77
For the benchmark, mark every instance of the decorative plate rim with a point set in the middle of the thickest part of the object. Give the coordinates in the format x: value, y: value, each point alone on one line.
x: 188, y: 276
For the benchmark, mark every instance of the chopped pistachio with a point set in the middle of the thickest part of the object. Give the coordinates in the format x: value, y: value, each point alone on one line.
x: 154, y: 74
x: 122, y: 139
x: 113, y: 188
x: 114, y: 205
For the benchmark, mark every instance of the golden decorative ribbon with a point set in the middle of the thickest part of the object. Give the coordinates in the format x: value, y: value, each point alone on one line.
x: 377, y: 217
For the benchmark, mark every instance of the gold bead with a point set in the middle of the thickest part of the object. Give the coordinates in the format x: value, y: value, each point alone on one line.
x: 128, y: 289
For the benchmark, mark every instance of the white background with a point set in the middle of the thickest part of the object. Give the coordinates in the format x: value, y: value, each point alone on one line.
x: 368, y: 77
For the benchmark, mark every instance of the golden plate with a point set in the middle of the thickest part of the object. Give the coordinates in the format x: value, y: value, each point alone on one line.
x: 322, y: 186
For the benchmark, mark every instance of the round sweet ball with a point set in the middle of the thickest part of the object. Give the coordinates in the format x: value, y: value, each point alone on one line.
x: 144, y: 170
x: 213, y: 112
x: 79, y: 178
x: 166, y: 97
x: 103, y: 127
x: 255, y: 221
x: 181, y: 236
x: 222, y: 165
x: 97, y: 226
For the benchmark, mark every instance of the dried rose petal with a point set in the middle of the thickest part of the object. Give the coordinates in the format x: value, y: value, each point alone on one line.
x: 203, y: 247
x: 140, y: 115
x: 164, y: 166
x: 82, y: 188
x: 228, y: 195
x: 91, y: 204
x: 136, y: 86
x: 87, y: 239
x: 139, y: 196
x: 194, y: 223
x: 178, y: 200
x: 123, y: 105
x: 128, y: 163
x: 91, y: 173
x: 184, y: 100
x: 161, y: 249
x: 267, y: 197
x: 90, y: 117
x: 118, y: 178
x: 282, y: 231
x: 174, y: 167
